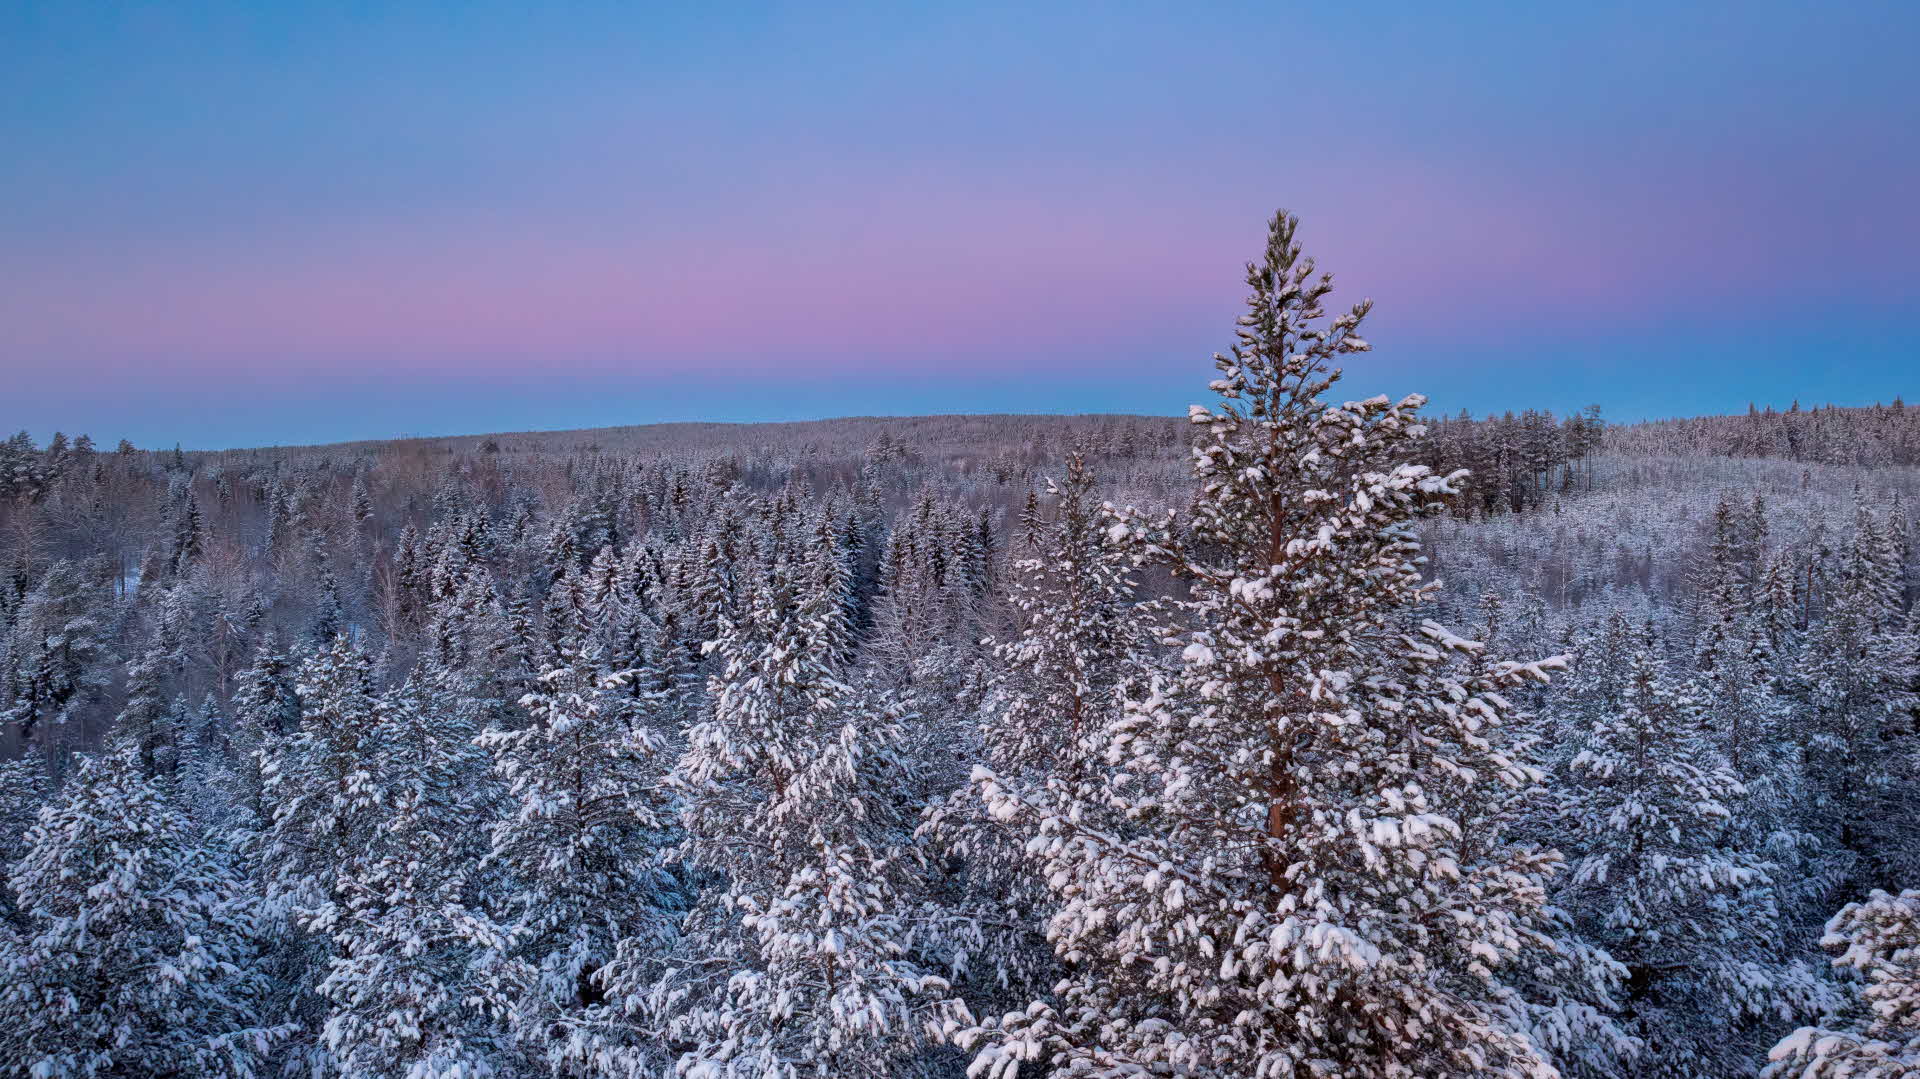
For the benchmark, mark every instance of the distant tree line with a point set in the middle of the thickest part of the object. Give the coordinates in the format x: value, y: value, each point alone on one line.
x: 1877, y: 436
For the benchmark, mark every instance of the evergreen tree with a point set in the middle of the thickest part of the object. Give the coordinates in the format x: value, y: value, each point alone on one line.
x: 24, y: 788
x: 797, y: 960
x: 189, y: 533
x: 581, y: 849
x: 320, y: 782
x: 1297, y: 892
x: 140, y: 947
x: 1857, y: 679
x: 404, y: 912
x: 360, y: 503
x: 319, y: 786
x: 829, y: 592
x: 1720, y: 600
x: 568, y: 618
x: 1056, y: 685
x: 149, y: 724
x: 1081, y: 638
x: 266, y: 712
x: 1879, y: 940
x: 1661, y: 879
x: 59, y: 645
x: 408, y: 578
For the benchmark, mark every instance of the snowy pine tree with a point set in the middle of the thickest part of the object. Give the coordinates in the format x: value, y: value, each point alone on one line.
x: 318, y: 779
x: 318, y: 787
x: 150, y: 723
x: 1293, y: 893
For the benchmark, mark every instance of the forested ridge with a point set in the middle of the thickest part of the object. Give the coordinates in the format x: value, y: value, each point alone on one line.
x: 1301, y: 737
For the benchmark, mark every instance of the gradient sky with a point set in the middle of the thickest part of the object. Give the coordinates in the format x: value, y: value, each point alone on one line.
x: 236, y: 224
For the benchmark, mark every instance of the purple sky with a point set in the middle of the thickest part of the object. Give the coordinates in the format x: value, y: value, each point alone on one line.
x: 237, y: 224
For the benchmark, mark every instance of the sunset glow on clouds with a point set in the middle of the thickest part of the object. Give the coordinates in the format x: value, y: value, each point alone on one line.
x: 492, y: 219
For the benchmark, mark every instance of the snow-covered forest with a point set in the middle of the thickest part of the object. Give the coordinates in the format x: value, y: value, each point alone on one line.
x: 1300, y: 737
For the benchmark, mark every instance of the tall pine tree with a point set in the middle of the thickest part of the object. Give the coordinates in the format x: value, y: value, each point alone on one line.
x: 1295, y: 892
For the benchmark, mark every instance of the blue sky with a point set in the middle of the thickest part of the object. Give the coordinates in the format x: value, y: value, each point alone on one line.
x: 241, y: 224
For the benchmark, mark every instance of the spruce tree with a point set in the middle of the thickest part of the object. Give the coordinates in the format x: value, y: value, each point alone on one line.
x: 319, y: 787
x: 797, y: 960
x: 1857, y: 678
x: 1663, y: 877
x: 59, y: 641
x: 266, y: 712
x: 319, y: 779
x: 404, y: 910
x: 1082, y: 635
x: 581, y: 848
x: 140, y: 947
x: 24, y: 788
x: 1879, y: 941
x: 150, y: 724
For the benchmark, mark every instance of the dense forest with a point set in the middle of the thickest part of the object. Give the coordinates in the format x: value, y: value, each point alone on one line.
x: 1296, y: 738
